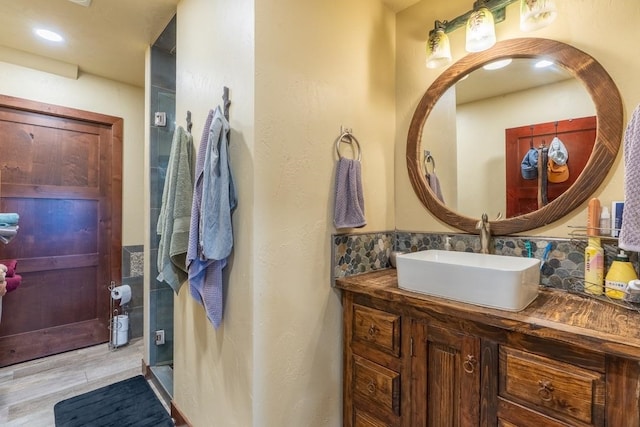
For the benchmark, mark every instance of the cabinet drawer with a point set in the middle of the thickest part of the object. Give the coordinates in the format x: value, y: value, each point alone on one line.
x: 375, y: 386
x: 558, y: 389
x: 378, y: 329
x: 513, y: 415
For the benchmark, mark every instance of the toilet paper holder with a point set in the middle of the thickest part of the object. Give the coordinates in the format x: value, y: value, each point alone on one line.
x: 118, y: 323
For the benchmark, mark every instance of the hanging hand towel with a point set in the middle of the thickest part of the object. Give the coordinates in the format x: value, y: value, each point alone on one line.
x: 349, y: 200
x: 630, y: 231
x: 211, y: 232
x: 175, y: 211
x: 434, y: 183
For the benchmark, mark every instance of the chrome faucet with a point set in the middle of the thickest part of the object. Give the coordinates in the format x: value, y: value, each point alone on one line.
x: 485, y: 233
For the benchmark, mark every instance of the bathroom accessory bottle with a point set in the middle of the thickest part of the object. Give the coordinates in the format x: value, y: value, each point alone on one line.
x: 633, y: 291
x: 447, y: 243
x: 605, y: 222
x: 618, y: 277
x: 593, y: 253
x: 593, y: 217
x: 593, y: 267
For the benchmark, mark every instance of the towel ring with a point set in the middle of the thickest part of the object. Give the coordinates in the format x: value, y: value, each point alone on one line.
x: 352, y: 139
x: 428, y: 158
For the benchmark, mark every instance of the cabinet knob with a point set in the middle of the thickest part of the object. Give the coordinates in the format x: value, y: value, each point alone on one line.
x: 371, y: 387
x: 469, y: 365
x: 545, y: 391
x: 373, y: 331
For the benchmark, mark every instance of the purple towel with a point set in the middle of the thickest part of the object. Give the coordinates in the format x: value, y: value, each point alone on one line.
x: 349, y: 200
x: 434, y: 183
x: 630, y: 232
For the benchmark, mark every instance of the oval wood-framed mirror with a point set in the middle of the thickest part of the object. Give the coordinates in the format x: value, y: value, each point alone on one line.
x: 609, y: 116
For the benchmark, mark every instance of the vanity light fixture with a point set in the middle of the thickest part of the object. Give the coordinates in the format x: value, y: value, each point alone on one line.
x: 438, y: 49
x: 535, y: 14
x: 481, y: 31
x: 480, y: 25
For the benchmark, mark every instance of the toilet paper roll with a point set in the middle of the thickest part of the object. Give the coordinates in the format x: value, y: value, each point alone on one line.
x: 122, y: 293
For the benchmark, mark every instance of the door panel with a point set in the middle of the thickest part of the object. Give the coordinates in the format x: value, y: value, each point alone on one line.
x: 62, y: 175
x: 578, y: 136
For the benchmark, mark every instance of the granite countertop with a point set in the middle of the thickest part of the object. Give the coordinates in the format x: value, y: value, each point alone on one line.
x: 575, y: 319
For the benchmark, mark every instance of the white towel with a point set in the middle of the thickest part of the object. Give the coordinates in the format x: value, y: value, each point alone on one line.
x: 630, y: 231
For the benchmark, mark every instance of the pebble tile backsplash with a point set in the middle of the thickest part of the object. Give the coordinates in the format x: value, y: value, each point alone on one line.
x: 564, y: 268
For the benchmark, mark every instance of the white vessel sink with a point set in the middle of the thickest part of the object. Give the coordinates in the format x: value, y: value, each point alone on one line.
x: 496, y: 281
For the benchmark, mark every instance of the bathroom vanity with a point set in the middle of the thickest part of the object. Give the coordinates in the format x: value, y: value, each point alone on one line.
x: 413, y: 360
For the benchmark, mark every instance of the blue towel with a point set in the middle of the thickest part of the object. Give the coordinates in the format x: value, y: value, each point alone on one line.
x: 211, y: 232
x: 349, y: 200
x: 9, y: 218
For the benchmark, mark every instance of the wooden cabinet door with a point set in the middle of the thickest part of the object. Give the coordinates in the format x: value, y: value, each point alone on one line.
x: 62, y: 173
x: 445, y: 377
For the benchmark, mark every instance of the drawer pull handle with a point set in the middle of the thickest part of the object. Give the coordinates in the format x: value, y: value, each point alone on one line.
x: 373, y: 331
x: 469, y: 365
x: 371, y: 387
x: 545, y: 391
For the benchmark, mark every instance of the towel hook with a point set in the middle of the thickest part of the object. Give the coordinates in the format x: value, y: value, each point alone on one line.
x: 350, y: 139
x: 226, y: 102
x: 531, y: 141
x: 189, y: 124
x: 428, y: 158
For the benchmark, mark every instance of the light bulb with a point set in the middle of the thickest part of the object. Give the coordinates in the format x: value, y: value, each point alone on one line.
x: 438, y: 49
x: 535, y: 14
x: 481, y: 33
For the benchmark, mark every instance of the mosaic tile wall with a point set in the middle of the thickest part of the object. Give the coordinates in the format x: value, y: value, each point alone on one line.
x: 563, y: 269
x: 133, y: 275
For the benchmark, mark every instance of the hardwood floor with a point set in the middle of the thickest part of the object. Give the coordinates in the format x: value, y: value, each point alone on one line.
x: 29, y: 390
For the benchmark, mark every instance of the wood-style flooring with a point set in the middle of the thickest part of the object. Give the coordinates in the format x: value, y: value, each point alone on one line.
x: 29, y: 390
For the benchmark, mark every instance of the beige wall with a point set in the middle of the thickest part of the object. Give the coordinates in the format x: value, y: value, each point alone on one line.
x: 297, y: 71
x: 98, y: 95
x: 599, y: 28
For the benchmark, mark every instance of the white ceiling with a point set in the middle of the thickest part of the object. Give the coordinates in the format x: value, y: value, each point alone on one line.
x: 518, y: 76
x: 107, y: 39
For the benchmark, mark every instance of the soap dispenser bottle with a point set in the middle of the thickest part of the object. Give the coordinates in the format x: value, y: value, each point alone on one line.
x: 447, y: 243
x: 620, y: 274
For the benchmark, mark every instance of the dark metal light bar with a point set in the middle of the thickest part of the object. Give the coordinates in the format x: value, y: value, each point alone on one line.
x: 497, y: 8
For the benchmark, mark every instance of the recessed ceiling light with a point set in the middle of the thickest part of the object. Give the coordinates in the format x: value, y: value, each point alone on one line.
x: 495, y: 65
x: 543, y: 63
x: 85, y: 3
x: 48, y: 35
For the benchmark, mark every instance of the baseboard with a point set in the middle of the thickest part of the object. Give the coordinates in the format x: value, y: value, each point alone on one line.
x: 146, y: 371
x: 178, y: 416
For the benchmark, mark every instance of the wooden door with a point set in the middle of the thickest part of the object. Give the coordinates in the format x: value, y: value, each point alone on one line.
x: 578, y: 136
x: 61, y: 171
x: 445, y: 377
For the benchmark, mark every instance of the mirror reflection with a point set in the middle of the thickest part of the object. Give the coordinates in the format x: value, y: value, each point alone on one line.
x: 608, y: 111
x: 481, y: 130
